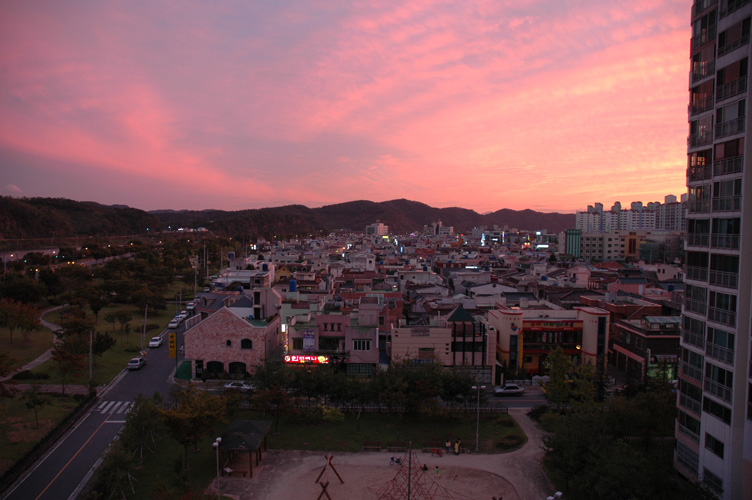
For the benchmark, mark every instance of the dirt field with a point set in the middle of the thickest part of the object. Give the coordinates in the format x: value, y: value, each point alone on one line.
x: 291, y: 475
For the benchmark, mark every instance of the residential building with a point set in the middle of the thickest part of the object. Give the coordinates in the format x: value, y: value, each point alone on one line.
x: 714, y: 426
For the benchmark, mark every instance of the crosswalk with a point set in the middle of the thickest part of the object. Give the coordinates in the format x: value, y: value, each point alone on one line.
x: 116, y: 407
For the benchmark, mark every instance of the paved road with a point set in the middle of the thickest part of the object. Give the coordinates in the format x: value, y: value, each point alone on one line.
x: 62, y: 472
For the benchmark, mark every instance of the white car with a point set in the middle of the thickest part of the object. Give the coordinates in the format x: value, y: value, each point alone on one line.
x: 239, y: 386
x: 174, y: 323
x: 136, y: 363
x: 182, y: 315
x: 155, y: 342
x: 509, y: 390
x: 191, y: 306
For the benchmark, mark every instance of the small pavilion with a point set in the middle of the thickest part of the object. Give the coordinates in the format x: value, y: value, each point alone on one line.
x: 243, y: 440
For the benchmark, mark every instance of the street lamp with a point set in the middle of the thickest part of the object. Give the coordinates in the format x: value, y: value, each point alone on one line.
x: 478, y: 388
x: 216, y: 447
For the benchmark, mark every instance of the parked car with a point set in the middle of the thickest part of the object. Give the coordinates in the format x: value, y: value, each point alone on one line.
x: 182, y: 315
x: 509, y: 390
x: 191, y: 306
x: 155, y: 342
x: 174, y: 323
x: 239, y: 386
x: 136, y: 363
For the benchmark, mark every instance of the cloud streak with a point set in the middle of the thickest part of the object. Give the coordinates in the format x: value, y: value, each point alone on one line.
x: 480, y: 104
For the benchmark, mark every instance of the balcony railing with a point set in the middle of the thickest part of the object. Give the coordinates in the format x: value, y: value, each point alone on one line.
x: 687, y: 432
x: 719, y: 353
x: 727, y: 204
x: 690, y: 404
x: 699, y: 173
x: 732, y: 6
x: 695, y: 306
x: 696, y: 273
x: 723, y: 240
x: 698, y: 239
x: 723, y: 316
x: 692, y: 338
x: 700, y: 139
x: 699, y: 206
x: 702, y: 70
x: 701, y: 105
x: 717, y: 389
x: 724, y: 279
x: 731, y: 127
x: 731, y: 89
x: 733, y: 45
x: 729, y: 166
x: 691, y: 371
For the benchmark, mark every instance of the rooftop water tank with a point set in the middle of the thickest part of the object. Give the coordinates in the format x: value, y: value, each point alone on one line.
x: 293, y: 285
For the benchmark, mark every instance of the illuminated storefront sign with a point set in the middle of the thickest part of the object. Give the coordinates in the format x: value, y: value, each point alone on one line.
x: 306, y: 359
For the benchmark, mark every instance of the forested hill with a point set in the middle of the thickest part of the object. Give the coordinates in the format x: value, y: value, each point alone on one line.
x: 46, y: 217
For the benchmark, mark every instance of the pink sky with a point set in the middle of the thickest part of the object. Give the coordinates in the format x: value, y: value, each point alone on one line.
x: 550, y: 105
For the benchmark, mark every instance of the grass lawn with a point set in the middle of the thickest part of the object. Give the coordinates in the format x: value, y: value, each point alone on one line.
x: 39, y: 342
x: 159, y: 470
x: 18, y: 432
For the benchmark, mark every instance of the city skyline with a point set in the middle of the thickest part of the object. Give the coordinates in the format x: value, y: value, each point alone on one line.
x: 526, y: 104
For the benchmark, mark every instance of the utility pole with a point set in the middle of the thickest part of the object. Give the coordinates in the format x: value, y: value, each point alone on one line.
x: 91, y: 356
x: 143, y: 331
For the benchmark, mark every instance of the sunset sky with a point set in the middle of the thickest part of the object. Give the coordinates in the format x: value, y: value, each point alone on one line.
x: 543, y: 104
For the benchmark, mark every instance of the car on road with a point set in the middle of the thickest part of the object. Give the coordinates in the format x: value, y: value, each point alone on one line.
x: 136, y: 363
x: 183, y: 314
x: 191, y: 306
x: 174, y: 323
x: 509, y: 390
x: 239, y: 386
x: 155, y: 342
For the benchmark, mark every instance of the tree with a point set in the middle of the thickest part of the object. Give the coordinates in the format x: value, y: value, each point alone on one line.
x: 67, y: 363
x: 102, y: 342
x: 275, y: 401
x: 35, y: 401
x: 29, y: 321
x: 96, y: 303
x: 142, y: 426
x: 10, y: 315
x: 558, y: 386
x: 193, y: 417
x: 6, y: 368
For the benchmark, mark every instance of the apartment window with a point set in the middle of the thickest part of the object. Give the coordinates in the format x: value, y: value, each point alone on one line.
x: 729, y: 119
x: 703, y: 29
x: 731, y: 80
x: 714, y: 445
x: 699, y: 199
x: 695, y: 299
x: 734, y: 37
x: 689, y: 426
x: 719, y: 411
x: 727, y: 195
x: 714, y: 482
x: 690, y: 396
x: 720, y: 345
x: 703, y: 63
x: 722, y: 308
x: 361, y: 345
x: 297, y: 344
x: 229, y: 343
x: 701, y: 131
x: 246, y: 344
x: 692, y: 364
x: 718, y: 381
x: 687, y: 457
x: 725, y: 233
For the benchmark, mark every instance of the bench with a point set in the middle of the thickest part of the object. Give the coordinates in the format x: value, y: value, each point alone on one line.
x: 396, y: 446
x: 433, y: 448
x: 371, y: 446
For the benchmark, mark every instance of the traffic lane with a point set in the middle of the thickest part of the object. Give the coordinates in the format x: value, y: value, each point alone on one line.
x: 58, y: 474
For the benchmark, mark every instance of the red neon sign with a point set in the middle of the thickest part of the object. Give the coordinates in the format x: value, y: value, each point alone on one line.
x: 306, y: 359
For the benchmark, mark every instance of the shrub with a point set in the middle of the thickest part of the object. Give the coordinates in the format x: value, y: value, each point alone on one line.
x: 331, y: 414
x: 511, y: 441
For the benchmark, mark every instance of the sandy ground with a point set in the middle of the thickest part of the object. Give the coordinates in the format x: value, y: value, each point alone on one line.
x: 291, y: 475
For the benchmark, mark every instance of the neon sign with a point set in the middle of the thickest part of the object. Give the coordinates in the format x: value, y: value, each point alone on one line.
x: 306, y: 359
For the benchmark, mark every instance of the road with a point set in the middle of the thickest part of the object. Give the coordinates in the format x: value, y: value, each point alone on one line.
x: 62, y: 472
x: 533, y: 397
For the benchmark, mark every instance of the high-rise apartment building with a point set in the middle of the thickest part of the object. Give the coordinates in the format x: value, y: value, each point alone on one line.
x: 714, y: 424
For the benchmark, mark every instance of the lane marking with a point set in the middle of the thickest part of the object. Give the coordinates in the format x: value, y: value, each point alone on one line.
x: 71, y: 459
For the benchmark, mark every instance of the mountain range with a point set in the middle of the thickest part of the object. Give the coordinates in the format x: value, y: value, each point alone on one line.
x: 47, y: 217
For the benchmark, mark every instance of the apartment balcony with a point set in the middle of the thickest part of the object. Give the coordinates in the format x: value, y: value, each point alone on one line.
x: 702, y: 70
x: 700, y: 139
x: 696, y: 273
x: 703, y: 37
x: 731, y: 127
x: 698, y: 239
x: 722, y: 316
x: 716, y: 389
x: 732, y: 6
x: 723, y: 240
x: 699, y: 206
x: 695, y: 306
x: 687, y: 432
x: 729, y: 165
x: 692, y: 338
x: 701, y: 105
x: 691, y: 371
x: 732, y: 46
x: 731, y: 89
x: 699, y: 173
x: 727, y: 204
x: 724, y: 279
x: 690, y: 404
x: 719, y: 353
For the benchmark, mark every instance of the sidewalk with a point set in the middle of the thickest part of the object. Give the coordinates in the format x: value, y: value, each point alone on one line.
x: 46, y: 354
